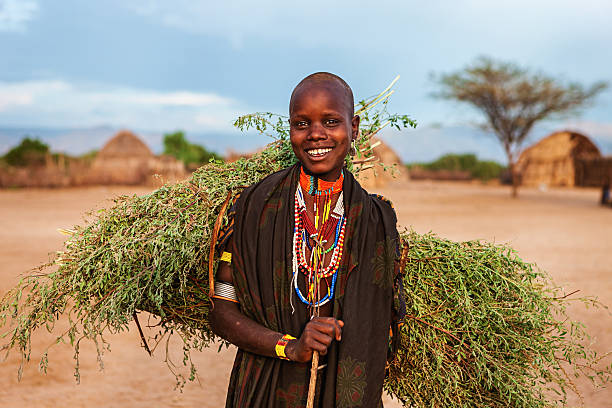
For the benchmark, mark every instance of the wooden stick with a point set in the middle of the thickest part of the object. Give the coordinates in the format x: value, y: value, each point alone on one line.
x: 362, y: 168
x: 314, y: 368
x: 370, y: 147
x: 364, y: 160
x: 435, y: 327
x: 313, y: 380
x: 142, y: 337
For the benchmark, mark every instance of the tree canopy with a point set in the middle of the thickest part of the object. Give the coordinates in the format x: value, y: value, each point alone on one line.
x: 513, y: 99
x: 27, y: 152
x: 193, y: 155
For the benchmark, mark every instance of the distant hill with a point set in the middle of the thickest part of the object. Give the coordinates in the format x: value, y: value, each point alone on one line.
x: 77, y: 141
x: 424, y: 144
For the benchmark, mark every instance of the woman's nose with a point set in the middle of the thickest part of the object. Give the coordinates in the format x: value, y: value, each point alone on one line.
x: 317, y: 131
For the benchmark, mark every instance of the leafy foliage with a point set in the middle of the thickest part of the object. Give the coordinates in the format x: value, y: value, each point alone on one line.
x: 176, y: 145
x: 487, y: 170
x: 482, y: 170
x: 27, y: 152
x: 484, y: 328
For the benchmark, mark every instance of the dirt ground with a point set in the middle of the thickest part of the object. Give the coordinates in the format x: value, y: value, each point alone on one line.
x: 564, y: 231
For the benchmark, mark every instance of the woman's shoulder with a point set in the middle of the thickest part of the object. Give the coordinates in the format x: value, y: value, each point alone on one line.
x: 382, y: 199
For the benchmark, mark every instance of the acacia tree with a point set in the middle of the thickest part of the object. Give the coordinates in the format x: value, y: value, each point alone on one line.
x: 512, y: 99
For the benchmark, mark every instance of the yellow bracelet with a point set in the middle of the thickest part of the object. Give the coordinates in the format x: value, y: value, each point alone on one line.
x: 281, y: 344
x: 226, y: 257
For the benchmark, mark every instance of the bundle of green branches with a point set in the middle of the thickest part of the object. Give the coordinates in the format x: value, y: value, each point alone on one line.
x: 483, y: 328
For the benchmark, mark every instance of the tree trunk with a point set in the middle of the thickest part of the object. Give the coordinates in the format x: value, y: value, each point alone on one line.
x: 512, y: 167
x: 515, y: 179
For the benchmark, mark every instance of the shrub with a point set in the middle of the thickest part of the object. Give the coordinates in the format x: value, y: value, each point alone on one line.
x: 28, y: 152
x: 193, y: 155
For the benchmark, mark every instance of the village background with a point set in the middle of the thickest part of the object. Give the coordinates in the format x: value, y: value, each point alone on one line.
x: 129, y: 96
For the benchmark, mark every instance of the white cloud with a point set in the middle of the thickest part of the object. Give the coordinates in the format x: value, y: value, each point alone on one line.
x: 59, y: 103
x: 14, y: 14
x: 13, y: 95
x: 136, y: 97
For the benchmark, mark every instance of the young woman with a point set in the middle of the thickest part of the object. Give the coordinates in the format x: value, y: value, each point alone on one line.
x: 311, y: 265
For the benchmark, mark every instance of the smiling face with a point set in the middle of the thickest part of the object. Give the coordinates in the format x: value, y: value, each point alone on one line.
x: 322, y: 126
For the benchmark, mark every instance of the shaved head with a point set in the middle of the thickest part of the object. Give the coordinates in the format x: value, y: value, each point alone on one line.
x: 326, y: 79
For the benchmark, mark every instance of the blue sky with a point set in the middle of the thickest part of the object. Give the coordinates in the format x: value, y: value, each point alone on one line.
x: 73, y: 71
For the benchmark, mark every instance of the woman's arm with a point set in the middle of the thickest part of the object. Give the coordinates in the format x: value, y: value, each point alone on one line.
x: 229, y: 323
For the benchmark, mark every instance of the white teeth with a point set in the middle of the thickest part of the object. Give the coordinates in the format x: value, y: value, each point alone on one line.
x: 318, y: 152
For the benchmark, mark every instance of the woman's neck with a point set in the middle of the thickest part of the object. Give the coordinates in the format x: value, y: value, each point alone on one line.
x: 313, y: 185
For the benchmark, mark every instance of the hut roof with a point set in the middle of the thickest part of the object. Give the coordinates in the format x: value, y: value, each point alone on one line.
x: 388, y: 157
x: 125, y: 144
x: 559, y: 146
x: 385, y: 153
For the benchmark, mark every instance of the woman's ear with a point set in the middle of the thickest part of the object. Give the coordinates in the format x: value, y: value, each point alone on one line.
x: 355, y: 127
x: 354, y: 135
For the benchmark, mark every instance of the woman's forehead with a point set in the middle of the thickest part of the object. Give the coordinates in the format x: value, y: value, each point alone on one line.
x: 324, y: 94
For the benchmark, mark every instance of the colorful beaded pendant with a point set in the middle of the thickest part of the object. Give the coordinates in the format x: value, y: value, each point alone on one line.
x: 327, y: 224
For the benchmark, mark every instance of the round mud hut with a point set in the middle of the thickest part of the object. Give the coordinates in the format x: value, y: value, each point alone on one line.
x: 125, y: 159
x: 553, y: 161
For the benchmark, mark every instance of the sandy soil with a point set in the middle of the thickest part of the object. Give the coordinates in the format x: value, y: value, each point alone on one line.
x: 564, y: 231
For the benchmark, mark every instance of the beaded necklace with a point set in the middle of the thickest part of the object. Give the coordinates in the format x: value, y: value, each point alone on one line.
x: 315, y: 234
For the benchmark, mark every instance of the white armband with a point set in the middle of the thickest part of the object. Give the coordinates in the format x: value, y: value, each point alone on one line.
x: 225, y: 291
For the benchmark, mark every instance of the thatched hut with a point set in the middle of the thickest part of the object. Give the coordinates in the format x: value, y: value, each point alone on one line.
x: 125, y: 159
x: 553, y: 160
x: 386, y: 156
x: 594, y: 171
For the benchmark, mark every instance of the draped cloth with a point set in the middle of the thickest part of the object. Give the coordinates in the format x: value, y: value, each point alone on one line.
x: 366, y: 297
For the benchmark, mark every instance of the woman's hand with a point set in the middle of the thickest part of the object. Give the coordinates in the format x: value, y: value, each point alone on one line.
x: 317, y: 336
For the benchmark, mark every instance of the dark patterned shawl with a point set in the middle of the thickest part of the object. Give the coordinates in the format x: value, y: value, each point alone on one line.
x: 364, y: 298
